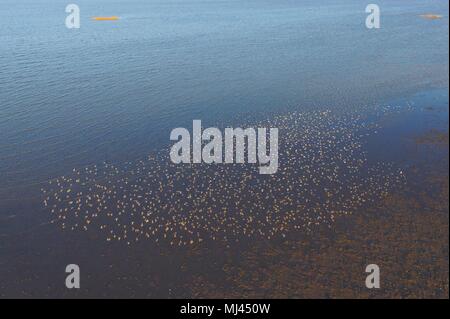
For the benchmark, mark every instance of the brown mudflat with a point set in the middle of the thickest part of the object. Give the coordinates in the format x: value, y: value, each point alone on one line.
x: 406, y: 235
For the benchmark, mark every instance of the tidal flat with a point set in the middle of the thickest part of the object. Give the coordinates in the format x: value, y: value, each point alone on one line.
x: 405, y: 233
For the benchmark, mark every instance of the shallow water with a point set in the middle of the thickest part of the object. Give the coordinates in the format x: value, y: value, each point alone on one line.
x: 113, y: 91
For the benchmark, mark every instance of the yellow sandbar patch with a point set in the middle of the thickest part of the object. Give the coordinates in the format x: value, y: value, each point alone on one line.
x: 431, y: 16
x: 105, y: 18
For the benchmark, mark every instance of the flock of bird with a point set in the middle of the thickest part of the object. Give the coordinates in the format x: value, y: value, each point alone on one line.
x: 323, y: 173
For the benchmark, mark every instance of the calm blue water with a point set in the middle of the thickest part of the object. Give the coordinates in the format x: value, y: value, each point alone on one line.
x: 114, y: 90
